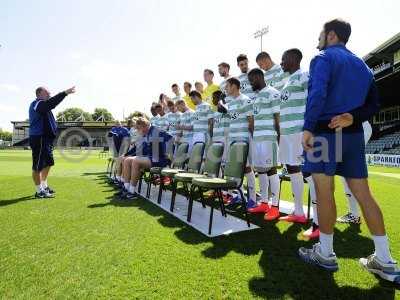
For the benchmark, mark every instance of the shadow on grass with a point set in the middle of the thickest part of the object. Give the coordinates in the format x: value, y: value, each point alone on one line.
x: 284, y: 274
x: 16, y: 200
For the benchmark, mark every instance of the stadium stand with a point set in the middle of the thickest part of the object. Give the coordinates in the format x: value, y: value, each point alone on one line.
x: 388, y: 144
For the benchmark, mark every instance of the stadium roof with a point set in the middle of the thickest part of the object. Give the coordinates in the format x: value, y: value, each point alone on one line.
x: 385, y: 50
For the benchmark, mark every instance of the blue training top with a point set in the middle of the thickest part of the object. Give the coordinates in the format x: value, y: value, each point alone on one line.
x: 339, y: 83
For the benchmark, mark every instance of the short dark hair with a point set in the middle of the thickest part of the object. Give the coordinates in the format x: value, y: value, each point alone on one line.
x: 340, y: 27
x: 263, y: 55
x: 234, y: 81
x: 296, y: 54
x: 209, y: 71
x: 157, y: 106
x: 224, y: 65
x: 193, y: 94
x: 170, y: 103
x: 241, y: 57
x: 188, y: 83
x: 217, y: 94
x: 180, y: 101
x: 160, y: 97
x: 174, y: 85
x: 256, y: 72
x: 39, y: 90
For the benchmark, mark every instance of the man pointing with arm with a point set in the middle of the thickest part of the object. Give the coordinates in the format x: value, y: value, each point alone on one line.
x: 42, y: 132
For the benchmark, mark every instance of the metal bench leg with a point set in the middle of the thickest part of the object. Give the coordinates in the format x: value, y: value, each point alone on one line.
x: 160, y: 190
x: 190, y: 206
x: 174, y: 187
x: 211, y: 220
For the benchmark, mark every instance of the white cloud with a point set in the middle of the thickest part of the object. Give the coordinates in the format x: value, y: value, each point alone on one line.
x: 9, y: 88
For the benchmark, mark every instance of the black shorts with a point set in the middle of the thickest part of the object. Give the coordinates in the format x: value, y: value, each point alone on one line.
x: 42, y: 152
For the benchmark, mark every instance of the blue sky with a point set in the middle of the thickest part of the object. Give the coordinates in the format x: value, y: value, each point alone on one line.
x: 122, y: 54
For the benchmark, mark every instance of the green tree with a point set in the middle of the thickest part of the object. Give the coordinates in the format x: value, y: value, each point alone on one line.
x: 74, y: 114
x: 5, y: 135
x: 102, y: 114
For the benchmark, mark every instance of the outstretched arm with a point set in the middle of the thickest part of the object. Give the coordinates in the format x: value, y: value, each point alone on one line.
x: 45, y: 106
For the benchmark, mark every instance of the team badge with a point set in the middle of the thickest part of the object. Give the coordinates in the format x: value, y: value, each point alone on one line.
x: 285, y: 96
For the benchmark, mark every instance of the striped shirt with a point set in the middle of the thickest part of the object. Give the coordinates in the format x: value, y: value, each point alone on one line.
x: 245, y: 86
x: 187, y: 120
x: 239, y: 109
x: 162, y: 122
x: 275, y: 77
x: 173, y: 119
x: 221, y: 126
x: 265, y: 106
x: 293, y: 103
x: 154, y: 120
x: 201, y: 116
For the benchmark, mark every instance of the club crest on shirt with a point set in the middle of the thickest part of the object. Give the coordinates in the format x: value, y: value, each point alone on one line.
x: 234, y: 115
x: 256, y: 109
x: 285, y: 96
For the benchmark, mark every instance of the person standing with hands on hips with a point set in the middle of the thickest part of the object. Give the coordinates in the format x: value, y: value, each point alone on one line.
x: 42, y: 132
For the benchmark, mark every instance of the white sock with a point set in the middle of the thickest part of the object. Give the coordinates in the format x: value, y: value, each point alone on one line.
x: 274, y: 187
x: 297, y: 182
x: 38, y: 188
x: 326, y: 241
x: 353, y: 205
x: 264, y: 183
x: 382, y: 248
x: 126, y: 186
x: 132, y: 188
x: 118, y: 178
x: 313, y: 197
x: 251, y: 184
x: 43, y: 184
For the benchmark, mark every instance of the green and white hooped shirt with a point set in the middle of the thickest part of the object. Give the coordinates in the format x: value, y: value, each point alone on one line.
x: 173, y: 119
x: 293, y: 103
x: 221, y: 125
x: 162, y: 122
x: 187, y: 120
x: 245, y: 86
x: 201, y: 116
x: 239, y: 109
x: 275, y: 77
x: 265, y: 105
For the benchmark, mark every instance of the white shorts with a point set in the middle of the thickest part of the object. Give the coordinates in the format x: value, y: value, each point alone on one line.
x: 290, y: 149
x: 264, y: 154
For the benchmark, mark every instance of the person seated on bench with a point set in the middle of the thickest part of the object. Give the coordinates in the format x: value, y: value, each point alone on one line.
x: 153, y: 150
x: 120, y: 137
x: 119, y: 162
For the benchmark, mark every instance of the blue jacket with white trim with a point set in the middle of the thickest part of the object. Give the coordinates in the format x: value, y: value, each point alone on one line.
x: 41, y: 118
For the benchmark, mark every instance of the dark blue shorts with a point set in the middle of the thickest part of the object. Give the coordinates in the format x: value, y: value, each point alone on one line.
x: 42, y: 152
x: 337, y: 154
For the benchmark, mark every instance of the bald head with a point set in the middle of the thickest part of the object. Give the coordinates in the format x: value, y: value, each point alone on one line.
x: 42, y: 93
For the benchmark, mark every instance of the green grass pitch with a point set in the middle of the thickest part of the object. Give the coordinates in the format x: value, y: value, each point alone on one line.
x: 82, y: 245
